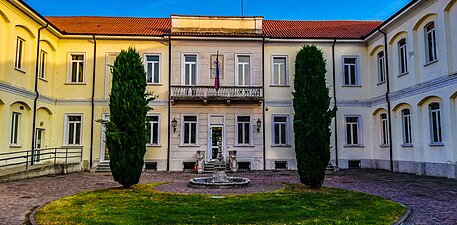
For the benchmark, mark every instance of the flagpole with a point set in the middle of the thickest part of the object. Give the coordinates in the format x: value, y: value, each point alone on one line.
x: 242, y: 7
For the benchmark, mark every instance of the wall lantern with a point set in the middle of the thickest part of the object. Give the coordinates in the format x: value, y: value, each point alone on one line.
x: 174, y: 123
x: 259, y: 124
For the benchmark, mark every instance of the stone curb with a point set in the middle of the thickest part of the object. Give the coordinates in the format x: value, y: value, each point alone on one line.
x: 405, y: 217
x: 32, y: 215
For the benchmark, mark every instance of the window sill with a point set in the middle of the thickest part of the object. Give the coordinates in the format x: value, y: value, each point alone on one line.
x: 154, y: 84
x: 407, y: 145
x: 353, y: 146
x: 151, y: 145
x: 430, y: 63
x: 190, y: 146
x: 74, y: 83
x: 402, y: 74
x: 279, y: 85
x: 42, y: 79
x: 381, y: 83
x: 20, y: 70
x: 281, y: 146
x: 352, y: 86
x: 436, y: 144
x: 69, y: 146
x: 384, y: 146
x: 244, y: 146
x: 15, y: 146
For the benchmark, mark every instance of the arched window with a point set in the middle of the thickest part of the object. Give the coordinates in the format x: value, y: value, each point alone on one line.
x: 402, y: 57
x: 381, y: 68
x: 406, y: 126
x: 384, y: 129
x: 435, y: 123
x: 430, y: 42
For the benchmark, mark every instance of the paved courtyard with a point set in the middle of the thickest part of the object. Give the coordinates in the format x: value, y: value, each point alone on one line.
x: 432, y: 200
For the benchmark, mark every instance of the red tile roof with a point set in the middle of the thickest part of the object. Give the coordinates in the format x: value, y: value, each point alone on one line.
x: 111, y: 25
x: 160, y: 26
x: 318, y: 29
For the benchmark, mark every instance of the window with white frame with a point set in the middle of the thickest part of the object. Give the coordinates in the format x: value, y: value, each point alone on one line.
x: 190, y: 69
x: 15, y: 126
x: 430, y: 42
x: 350, y: 71
x: 384, y: 129
x: 76, y: 68
x: 381, y: 67
x: 20, y: 45
x: 435, y: 123
x: 189, y: 130
x: 243, y: 130
x: 73, y: 129
x: 243, y: 70
x: 152, y: 69
x: 279, y: 71
x: 402, y: 56
x: 353, y: 126
x: 152, y: 130
x: 406, y: 126
x: 280, y: 130
x: 42, y: 65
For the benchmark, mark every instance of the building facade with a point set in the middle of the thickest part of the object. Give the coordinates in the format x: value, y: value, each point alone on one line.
x: 394, y: 82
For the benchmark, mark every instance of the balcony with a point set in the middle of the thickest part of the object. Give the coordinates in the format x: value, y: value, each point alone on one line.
x: 226, y: 94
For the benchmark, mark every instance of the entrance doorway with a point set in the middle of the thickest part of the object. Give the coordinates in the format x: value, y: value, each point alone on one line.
x: 216, y: 139
x: 39, y: 133
x: 104, y: 152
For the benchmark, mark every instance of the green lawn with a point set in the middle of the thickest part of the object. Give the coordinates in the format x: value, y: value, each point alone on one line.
x: 295, y: 204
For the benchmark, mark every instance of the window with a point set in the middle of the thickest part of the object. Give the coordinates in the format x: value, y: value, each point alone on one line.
x: 243, y: 130
x: 384, y: 130
x: 190, y: 130
x: 279, y: 71
x: 350, y: 71
x: 435, y: 123
x: 20, y: 45
x: 42, y: 66
x: 73, y: 129
x: 152, y: 129
x: 213, y: 66
x: 190, y: 69
x: 381, y: 68
x: 353, y: 125
x: 152, y: 69
x: 430, y: 42
x: 15, y: 125
x: 280, y: 130
x: 406, y: 125
x: 243, y: 70
x: 77, y: 68
x: 402, y: 56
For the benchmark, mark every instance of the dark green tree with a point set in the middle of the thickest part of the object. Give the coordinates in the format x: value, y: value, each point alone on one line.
x: 126, y: 130
x: 312, y: 116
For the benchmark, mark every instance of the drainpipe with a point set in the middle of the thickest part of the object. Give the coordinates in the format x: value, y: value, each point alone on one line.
x: 37, y: 94
x: 388, y: 101
x: 334, y: 100
x: 169, y: 102
x: 263, y: 105
x: 92, y: 103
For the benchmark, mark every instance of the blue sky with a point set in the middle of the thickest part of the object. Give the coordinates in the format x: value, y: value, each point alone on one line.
x: 270, y: 9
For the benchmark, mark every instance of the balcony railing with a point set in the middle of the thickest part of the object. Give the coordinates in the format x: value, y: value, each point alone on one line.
x: 209, y: 93
x: 44, y: 155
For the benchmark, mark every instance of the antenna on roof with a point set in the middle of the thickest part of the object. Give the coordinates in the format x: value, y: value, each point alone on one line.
x: 242, y: 7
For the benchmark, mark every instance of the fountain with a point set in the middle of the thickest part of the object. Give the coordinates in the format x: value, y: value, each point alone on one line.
x: 219, y: 178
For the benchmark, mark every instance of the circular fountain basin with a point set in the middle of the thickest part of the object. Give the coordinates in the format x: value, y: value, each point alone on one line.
x: 208, y: 182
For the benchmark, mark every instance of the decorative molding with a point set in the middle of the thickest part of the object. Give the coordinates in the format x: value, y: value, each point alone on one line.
x: 279, y: 103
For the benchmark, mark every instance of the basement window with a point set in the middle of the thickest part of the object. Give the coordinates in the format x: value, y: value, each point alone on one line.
x: 244, y: 166
x: 280, y: 165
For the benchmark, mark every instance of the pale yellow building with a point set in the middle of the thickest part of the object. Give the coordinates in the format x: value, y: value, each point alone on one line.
x: 55, y: 81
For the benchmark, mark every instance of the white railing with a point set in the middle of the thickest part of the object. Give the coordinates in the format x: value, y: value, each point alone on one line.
x: 209, y: 92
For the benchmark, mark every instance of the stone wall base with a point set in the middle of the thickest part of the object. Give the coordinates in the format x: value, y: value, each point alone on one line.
x: 41, y: 170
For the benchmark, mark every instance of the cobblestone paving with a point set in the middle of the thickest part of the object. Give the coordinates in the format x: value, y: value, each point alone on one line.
x: 433, y: 200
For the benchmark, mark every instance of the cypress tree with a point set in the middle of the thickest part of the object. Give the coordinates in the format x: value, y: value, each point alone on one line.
x: 312, y: 116
x: 126, y: 130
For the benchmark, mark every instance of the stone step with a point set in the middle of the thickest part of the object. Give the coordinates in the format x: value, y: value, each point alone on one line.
x: 103, y: 167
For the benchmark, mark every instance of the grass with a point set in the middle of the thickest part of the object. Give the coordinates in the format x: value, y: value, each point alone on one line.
x: 295, y: 204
